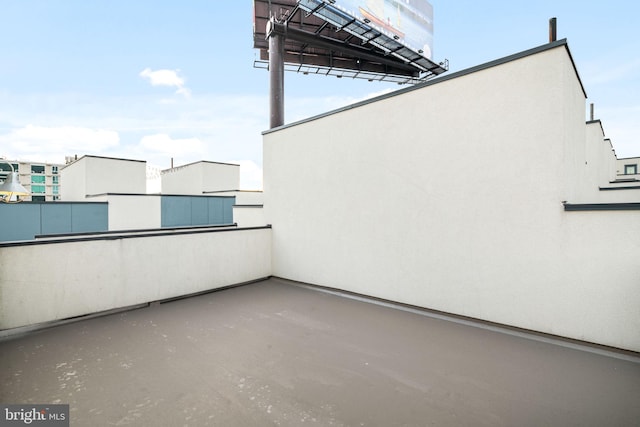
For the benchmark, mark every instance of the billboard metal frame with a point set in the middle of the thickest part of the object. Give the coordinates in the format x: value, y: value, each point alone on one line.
x: 322, y: 39
x: 363, y: 30
x: 317, y: 37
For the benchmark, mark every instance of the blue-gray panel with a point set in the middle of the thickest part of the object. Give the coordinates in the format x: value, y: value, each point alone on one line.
x: 179, y: 211
x: 228, y: 210
x: 88, y: 217
x: 216, y: 210
x: 199, y: 211
x: 55, y: 218
x: 19, y: 221
x: 175, y: 211
x: 221, y: 210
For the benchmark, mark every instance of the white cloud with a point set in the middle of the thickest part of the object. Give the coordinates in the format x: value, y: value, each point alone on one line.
x: 41, y: 143
x: 168, y: 78
x: 250, y: 175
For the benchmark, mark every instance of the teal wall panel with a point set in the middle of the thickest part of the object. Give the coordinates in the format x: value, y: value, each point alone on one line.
x: 199, y: 211
x: 89, y: 217
x: 227, y: 214
x: 24, y: 221
x: 175, y: 211
x: 55, y: 218
x: 184, y: 211
x: 216, y: 211
x: 20, y: 221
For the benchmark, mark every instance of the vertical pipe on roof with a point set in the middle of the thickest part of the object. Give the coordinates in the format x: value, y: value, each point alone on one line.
x: 552, y: 29
x: 276, y: 74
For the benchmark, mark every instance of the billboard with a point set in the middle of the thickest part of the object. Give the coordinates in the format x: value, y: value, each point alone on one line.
x: 409, y: 21
x: 387, y: 40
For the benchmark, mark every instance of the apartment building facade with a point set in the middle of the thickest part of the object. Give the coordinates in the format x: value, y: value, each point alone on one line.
x: 40, y: 178
x: 628, y: 169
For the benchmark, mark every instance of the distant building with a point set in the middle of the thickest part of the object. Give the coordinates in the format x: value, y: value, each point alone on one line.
x: 628, y: 169
x: 40, y: 178
x: 93, y: 175
x: 197, y: 194
x: 201, y: 177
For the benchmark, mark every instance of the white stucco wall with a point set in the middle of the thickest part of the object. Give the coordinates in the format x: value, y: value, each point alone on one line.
x: 91, y: 175
x: 131, y: 212
x: 73, y: 187
x: 182, y: 180
x: 249, y: 216
x: 365, y: 200
x: 220, y: 176
x: 621, y: 163
x: 107, y: 175
x: 197, y: 178
x: 98, y: 275
x: 599, y: 171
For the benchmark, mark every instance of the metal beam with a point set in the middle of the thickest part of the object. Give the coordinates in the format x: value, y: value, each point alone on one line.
x: 313, y: 39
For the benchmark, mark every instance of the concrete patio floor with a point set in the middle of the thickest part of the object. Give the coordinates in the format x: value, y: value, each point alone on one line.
x: 275, y: 353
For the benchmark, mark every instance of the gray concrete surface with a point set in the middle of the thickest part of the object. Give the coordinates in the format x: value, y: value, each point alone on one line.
x: 277, y: 354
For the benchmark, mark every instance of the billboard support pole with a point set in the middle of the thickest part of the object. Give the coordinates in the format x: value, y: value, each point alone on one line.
x: 276, y: 73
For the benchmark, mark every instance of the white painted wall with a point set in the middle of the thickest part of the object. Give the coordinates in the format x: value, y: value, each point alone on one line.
x: 182, y: 180
x: 599, y: 171
x: 73, y: 184
x: 247, y: 212
x: 197, y: 178
x: 106, y: 175
x: 365, y: 200
x: 77, y: 278
x: 628, y: 161
x: 243, y: 197
x: 249, y: 216
x: 91, y: 175
x: 133, y: 212
x: 220, y: 176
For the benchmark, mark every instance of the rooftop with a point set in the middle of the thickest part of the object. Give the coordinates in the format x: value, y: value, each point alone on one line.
x: 282, y: 353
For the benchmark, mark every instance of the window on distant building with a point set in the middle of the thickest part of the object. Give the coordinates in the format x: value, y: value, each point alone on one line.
x: 630, y: 169
x: 37, y: 169
x: 55, y: 179
x: 54, y: 170
x: 55, y: 189
x: 38, y: 189
x: 37, y: 198
x: 4, y: 167
x: 37, y: 179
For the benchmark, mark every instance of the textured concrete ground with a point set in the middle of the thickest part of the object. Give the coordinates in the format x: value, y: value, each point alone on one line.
x: 273, y: 353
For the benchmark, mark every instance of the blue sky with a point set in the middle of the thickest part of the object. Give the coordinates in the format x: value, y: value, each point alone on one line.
x: 152, y: 80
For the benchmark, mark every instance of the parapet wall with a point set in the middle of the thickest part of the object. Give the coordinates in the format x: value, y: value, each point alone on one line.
x: 88, y: 275
x: 452, y: 196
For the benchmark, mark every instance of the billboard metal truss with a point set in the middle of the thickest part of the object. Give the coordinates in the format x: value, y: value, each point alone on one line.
x: 308, y: 69
x: 320, y: 38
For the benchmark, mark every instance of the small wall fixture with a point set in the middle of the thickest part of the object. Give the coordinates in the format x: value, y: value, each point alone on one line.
x: 11, y: 187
